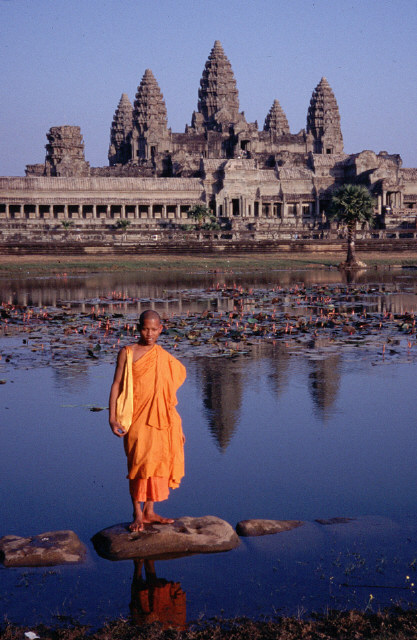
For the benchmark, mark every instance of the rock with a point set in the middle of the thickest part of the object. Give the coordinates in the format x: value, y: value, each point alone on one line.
x: 46, y: 549
x: 265, y: 527
x: 207, y: 534
x: 334, y: 520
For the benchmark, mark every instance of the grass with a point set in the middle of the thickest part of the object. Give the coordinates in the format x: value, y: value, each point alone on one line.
x: 51, y: 265
x: 396, y: 624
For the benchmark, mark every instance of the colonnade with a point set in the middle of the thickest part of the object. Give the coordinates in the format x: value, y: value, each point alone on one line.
x: 93, y: 211
x: 245, y: 207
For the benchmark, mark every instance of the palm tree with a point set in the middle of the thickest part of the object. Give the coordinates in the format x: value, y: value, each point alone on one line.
x: 199, y: 212
x: 122, y: 224
x: 66, y: 225
x: 351, y: 203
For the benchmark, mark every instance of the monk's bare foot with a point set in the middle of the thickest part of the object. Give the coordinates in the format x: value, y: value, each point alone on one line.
x: 136, y: 525
x: 153, y: 517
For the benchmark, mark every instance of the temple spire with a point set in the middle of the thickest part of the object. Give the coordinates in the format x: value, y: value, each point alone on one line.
x: 149, y: 107
x: 323, y: 120
x: 276, y: 120
x: 119, y: 151
x: 218, y: 98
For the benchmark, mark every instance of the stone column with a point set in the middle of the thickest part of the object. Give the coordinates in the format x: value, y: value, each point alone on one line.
x: 108, y: 212
x: 284, y: 208
x: 400, y: 198
x: 177, y: 211
x: 164, y: 211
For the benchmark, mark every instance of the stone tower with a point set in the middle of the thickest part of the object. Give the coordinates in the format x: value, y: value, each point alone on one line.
x: 323, y: 120
x: 120, y: 149
x: 218, y: 97
x: 276, y: 120
x: 65, y: 153
x: 150, y: 129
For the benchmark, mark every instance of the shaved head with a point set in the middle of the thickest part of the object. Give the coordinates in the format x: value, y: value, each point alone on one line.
x: 149, y: 314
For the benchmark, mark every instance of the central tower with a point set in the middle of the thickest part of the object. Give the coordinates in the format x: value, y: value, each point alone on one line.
x: 218, y: 97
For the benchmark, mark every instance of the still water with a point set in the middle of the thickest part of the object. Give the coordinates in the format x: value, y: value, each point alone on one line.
x: 273, y: 434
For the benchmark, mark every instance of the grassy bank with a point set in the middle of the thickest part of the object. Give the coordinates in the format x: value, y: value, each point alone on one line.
x: 50, y: 265
x: 394, y: 625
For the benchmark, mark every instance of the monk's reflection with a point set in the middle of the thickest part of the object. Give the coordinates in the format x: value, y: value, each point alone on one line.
x: 156, y: 599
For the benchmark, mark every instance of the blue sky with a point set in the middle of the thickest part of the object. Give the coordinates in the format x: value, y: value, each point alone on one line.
x: 69, y: 61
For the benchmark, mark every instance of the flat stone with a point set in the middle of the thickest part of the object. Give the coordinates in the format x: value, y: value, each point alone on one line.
x: 260, y: 527
x: 186, y: 535
x: 334, y: 520
x: 45, y: 550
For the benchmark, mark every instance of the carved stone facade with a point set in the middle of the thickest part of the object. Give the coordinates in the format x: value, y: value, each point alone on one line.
x: 64, y: 154
x: 122, y: 125
x: 270, y: 181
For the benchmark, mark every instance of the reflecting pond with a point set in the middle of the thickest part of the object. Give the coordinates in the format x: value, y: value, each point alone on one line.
x: 296, y: 426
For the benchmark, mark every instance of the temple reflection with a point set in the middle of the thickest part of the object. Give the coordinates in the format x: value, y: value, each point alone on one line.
x: 278, y: 358
x: 324, y: 382
x: 170, y: 292
x: 155, y: 599
x: 222, y: 388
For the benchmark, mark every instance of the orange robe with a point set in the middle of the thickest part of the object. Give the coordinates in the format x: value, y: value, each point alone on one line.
x: 163, y: 602
x: 154, y: 444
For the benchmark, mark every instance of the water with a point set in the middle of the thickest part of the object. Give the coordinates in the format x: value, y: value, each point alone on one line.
x: 276, y: 433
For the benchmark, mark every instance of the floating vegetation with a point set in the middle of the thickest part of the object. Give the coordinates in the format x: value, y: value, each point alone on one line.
x: 313, y: 319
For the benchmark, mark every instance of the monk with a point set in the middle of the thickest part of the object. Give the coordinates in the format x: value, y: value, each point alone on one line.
x: 154, y: 442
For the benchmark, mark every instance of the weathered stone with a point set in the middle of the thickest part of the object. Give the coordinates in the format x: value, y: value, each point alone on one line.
x: 120, y: 150
x: 186, y: 535
x: 264, y: 186
x: 65, y: 153
x: 218, y: 96
x: 149, y: 108
x: 323, y: 120
x: 46, y: 549
x: 276, y: 120
x: 334, y: 520
x: 260, y: 527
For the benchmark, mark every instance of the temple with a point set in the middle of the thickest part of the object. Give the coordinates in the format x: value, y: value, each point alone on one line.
x: 258, y: 184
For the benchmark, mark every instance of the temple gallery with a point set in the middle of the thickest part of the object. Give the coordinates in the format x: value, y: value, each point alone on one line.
x: 257, y: 182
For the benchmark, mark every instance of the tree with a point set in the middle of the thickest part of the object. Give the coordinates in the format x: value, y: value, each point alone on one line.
x: 67, y: 225
x: 351, y: 203
x: 199, y: 212
x: 123, y: 223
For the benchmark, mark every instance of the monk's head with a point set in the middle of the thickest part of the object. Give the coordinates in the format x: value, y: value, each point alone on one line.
x: 150, y: 327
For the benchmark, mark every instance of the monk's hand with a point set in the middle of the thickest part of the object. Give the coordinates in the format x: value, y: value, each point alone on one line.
x: 117, y: 429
